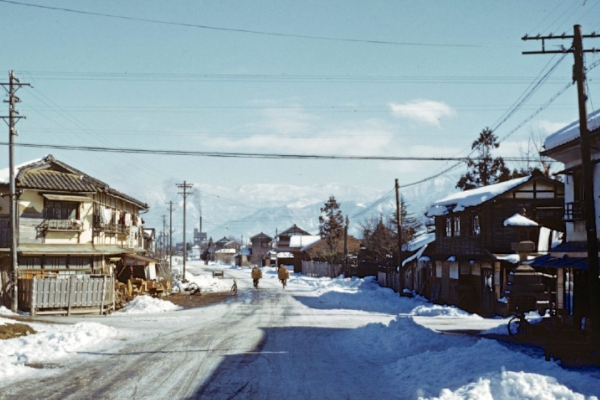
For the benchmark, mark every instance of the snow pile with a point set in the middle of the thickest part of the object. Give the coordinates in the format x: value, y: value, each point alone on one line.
x: 51, y: 343
x: 435, y: 310
x: 489, y: 370
x: 6, y: 311
x: 147, y: 305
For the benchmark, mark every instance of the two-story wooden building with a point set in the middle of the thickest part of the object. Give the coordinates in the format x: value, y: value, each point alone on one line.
x: 476, y: 232
x: 260, y: 246
x: 69, y: 225
x: 569, y: 260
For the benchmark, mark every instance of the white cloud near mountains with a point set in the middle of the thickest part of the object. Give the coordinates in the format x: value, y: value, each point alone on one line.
x: 294, y: 131
x: 429, y: 112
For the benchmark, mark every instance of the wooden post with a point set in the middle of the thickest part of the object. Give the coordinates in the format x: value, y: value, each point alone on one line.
x: 33, y: 295
x: 71, y: 295
x: 102, y: 295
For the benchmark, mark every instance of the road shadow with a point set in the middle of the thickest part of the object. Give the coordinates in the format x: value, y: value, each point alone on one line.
x: 349, y: 301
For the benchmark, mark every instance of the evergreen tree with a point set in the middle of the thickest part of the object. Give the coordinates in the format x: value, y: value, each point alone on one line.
x: 486, y: 169
x: 379, y: 240
x: 410, y: 225
x: 331, y: 224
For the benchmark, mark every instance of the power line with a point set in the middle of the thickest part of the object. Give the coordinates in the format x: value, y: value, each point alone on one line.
x: 283, y: 77
x: 247, y: 155
x: 237, y: 30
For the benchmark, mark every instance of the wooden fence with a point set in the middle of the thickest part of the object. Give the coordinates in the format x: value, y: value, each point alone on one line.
x: 321, y: 269
x: 389, y: 279
x: 77, y: 294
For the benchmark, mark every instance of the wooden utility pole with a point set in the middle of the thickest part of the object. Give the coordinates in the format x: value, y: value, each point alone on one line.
x: 170, y: 203
x: 346, y: 246
x: 163, y: 253
x: 185, y: 194
x: 13, y: 117
x: 399, y: 228
x: 586, y: 162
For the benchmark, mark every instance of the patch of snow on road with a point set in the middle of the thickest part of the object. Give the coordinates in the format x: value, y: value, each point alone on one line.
x: 148, y: 305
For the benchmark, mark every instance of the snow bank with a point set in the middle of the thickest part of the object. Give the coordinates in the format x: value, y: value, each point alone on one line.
x: 435, y: 310
x: 497, y: 373
x: 6, y: 311
x: 50, y: 344
x: 148, y: 305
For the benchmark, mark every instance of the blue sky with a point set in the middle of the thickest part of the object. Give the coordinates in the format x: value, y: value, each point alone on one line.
x: 284, y: 77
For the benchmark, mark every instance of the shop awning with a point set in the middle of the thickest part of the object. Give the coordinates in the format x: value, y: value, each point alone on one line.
x: 141, y: 257
x: 548, y: 261
x: 69, y: 249
x: 66, y: 197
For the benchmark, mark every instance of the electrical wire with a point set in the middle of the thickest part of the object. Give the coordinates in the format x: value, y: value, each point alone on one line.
x: 237, y: 30
x: 244, y: 155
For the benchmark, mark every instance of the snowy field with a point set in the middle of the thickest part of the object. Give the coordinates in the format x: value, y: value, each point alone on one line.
x: 404, y: 334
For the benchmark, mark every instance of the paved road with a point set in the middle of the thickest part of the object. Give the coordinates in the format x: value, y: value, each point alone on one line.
x: 266, y: 344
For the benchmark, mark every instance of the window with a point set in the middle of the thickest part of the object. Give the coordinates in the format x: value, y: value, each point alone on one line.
x: 448, y: 226
x: 475, y: 227
x: 80, y: 262
x: 456, y: 230
x: 30, y: 262
x: 61, y: 210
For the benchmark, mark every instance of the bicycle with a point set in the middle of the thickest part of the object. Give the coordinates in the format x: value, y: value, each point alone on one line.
x: 518, y: 327
x: 255, y: 281
x: 283, y: 282
x: 234, y: 288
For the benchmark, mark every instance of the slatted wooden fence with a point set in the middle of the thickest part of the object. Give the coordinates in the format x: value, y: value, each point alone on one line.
x: 321, y: 269
x: 76, y: 294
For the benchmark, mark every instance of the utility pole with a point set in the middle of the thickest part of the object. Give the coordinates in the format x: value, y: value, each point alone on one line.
x: 170, y: 203
x: 13, y: 117
x: 346, y: 246
x: 164, y: 241
x: 185, y: 186
x: 586, y: 163
x: 399, y: 228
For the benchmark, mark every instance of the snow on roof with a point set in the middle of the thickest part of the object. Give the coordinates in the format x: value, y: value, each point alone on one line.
x: 417, y: 255
x: 519, y: 220
x: 420, y: 241
x: 303, y: 240
x: 459, y: 201
x: 571, y: 131
x: 4, y: 173
x: 226, y: 251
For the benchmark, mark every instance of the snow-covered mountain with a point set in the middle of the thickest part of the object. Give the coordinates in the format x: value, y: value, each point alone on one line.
x: 270, y: 208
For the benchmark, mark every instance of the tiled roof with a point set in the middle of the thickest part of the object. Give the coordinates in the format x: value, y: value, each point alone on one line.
x: 54, y: 180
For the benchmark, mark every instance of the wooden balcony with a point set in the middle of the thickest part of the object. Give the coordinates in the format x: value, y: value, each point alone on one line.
x: 573, y: 211
x: 62, y: 225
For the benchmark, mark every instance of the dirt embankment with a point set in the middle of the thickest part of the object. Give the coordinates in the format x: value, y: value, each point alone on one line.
x: 9, y: 331
x: 198, y: 300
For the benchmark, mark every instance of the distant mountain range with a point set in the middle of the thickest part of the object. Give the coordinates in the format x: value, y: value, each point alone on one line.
x: 245, y: 211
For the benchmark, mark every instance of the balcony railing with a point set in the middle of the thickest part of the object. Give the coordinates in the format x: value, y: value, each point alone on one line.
x: 62, y: 225
x: 573, y: 211
x: 112, y: 228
